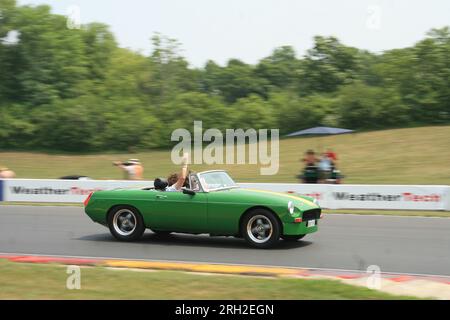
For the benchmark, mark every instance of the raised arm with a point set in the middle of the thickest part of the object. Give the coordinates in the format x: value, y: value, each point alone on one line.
x: 183, y: 174
x: 119, y: 164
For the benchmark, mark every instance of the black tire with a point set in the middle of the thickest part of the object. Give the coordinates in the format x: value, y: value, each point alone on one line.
x: 293, y: 238
x: 265, y: 237
x: 162, y: 233
x: 126, y: 231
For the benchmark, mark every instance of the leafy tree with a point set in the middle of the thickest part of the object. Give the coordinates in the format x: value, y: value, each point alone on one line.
x: 236, y: 80
x: 362, y: 106
x: 429, y: 96
x: 171, y: 74
x: 253, y: 112
x: 281, y: 69
x: 192, y: 106
x: 76, y: 90
x: 16, y: 131
x: 328, y: 65
x: 99, y: 45
x: 295, y: 113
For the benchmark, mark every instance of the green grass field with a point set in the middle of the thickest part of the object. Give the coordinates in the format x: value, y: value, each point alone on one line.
x: 30, y: 281
x: 400, y: 156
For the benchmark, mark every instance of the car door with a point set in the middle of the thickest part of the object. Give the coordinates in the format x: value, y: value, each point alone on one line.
x: 176, y: 211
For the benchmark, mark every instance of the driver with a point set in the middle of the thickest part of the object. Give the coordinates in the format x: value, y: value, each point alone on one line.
x: 177, y: 180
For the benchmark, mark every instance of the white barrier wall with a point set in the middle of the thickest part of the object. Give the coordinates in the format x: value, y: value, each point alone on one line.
x: 21, y: 190
x: 394, y: 197
x: 389, y: 197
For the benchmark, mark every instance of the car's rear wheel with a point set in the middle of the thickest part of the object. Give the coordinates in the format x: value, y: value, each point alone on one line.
x: 261, y: 228
x: 293, y: 238
x: 126, y: 223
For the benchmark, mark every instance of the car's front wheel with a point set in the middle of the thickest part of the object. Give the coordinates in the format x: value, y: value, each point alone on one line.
x: 293, y: 238
x: 126, y: 223
x: 261, y: 228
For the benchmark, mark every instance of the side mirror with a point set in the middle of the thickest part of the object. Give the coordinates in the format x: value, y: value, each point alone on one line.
x: 188, y: 191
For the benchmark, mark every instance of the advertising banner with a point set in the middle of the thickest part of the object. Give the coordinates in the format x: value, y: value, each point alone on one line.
x: 71, y: 191
x: 383, y: 197
x: 386, y: 197
x: 389, y: 197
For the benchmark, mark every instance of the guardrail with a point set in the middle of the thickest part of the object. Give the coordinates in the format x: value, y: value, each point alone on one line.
x: 381, y: 197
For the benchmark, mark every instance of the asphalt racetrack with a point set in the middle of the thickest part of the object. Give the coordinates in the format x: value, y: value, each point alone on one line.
x: 351, y: 242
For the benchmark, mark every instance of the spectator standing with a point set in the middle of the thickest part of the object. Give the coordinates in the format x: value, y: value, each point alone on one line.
x: 310, y: 171
x: 310, y: 158
x: 331, y: 155
x: 6, y: 173
x: 132, y: 168
x: 325, y: 167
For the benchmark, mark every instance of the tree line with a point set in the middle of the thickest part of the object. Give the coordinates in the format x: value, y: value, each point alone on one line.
x: 77, y: 90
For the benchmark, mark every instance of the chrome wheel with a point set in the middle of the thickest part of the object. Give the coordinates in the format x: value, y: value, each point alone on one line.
x: 124, y: 222
x: 259, y: 229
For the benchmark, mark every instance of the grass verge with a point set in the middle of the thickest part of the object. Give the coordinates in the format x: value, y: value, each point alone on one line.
x: 398, y: 156
x: 31, y: 281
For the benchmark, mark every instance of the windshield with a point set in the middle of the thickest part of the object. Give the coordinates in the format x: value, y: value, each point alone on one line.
x: 216, y: 180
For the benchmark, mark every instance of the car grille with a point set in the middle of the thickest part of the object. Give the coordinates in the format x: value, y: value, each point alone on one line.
x: 313, y: 214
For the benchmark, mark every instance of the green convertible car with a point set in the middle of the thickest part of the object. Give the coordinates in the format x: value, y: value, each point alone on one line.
x: 211, y: 203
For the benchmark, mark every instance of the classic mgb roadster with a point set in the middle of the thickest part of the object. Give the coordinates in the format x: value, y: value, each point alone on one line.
x: 211, y: 203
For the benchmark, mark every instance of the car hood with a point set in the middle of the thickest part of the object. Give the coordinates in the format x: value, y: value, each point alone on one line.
x: 269, y: 197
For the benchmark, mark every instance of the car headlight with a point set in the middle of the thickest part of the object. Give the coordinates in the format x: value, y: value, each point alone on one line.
x: 316, y: 202
x: 291, y: 207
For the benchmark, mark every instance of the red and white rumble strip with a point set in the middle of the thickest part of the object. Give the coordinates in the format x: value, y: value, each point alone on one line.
x: 419, y: 285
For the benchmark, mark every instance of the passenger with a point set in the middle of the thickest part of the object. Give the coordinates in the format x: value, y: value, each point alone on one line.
x: 177, y: 180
